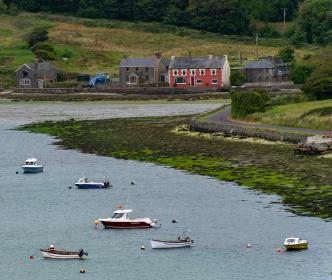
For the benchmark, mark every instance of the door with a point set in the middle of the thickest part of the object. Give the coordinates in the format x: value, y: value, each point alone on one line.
x: 192, y: 81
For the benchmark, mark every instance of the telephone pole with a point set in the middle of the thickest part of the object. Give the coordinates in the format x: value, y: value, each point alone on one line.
x: 284, y: 10
x: 257, y: 45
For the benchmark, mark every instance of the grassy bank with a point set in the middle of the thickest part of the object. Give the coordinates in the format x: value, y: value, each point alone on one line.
x: 312, y: 115
x: 99, y: 45
x: 304, y: 183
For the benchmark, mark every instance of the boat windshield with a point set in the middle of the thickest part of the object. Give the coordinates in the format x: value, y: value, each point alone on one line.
x: 118, y: 215
x: 30, y: 163
x: 291, y: 240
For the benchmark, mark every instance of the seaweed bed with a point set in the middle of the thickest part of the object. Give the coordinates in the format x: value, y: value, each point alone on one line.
x: 304, y: 183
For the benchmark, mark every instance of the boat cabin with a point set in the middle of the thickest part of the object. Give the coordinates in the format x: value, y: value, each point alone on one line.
x: 121, y: 214
x: 83, y: 180
x: 31, y: 161
x: 292, y: 240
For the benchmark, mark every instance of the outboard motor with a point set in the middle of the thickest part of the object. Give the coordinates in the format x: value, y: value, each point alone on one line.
x: 81, y: 253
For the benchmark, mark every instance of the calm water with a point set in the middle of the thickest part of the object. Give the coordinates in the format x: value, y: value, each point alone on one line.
x: 39, y: 209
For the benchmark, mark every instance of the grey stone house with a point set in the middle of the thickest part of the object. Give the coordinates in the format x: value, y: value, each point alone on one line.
x: 267, y: 70
x: 136, y: 71
x: 35, y: 75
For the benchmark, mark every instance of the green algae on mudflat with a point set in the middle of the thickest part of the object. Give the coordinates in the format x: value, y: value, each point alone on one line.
x: 304, y: 183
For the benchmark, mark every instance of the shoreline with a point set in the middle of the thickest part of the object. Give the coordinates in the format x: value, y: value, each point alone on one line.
x: 303, y: 183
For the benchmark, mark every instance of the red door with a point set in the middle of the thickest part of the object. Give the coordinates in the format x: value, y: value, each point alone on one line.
x: 192, y: 81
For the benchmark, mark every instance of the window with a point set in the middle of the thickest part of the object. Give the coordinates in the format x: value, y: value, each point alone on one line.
x: 180, y: 80
x: 118, y: 215
x: 202, y: 71
x: 127, y: 69
x: 136, y: 68
x: 215, y: 82
x: 183, y: 72
x: 198, y: 81
x: 175, y: 72
x: 25, y: 82
x: 193, y: 72
x: 213, y: 72
x: 147, y: 78
x: 146, y: 69
x: 25, y: 74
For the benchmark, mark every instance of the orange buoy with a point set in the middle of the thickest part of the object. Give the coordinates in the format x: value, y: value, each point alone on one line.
x: 278, y: 250
x: 119, y: 205
x: 31, y: 257
x: 96, y: 222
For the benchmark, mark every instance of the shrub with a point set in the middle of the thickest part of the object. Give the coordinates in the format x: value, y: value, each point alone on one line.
x: 245, y: 103
x: 287, y: 54
x: 43, y: 50
x: 67, y: 84
x: 300, y: 73
x: 238, y: 78
x: 269, y: 31
x: 37, y: 35
x: 288, y: 99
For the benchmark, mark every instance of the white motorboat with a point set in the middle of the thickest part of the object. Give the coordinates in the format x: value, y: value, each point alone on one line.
x: 183, y: 241
x: 121, y: 220
x: 53, y: 253
x: 295, y: 243
x: 31, y: 165
x: 84, y: 183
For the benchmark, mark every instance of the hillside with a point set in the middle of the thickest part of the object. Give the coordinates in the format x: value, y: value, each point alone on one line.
x: 99, y: 45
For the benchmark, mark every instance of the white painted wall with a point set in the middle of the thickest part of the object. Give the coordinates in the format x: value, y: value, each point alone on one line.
x: 226, y: 73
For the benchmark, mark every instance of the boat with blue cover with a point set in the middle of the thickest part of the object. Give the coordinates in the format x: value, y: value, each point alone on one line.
x: 31, y: 165
x: 84, y: 183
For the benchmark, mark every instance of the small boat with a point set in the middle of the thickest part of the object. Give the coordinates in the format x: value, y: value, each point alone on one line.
x: 295, y: 243
x: 53, y: 253
x: 121, y: 220
x: 31, y: 166
x: 84, y: 183
x: 183, y: 240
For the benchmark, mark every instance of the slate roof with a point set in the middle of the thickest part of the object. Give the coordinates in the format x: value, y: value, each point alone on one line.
x: 197, y: 62
x: 41, y: 66
x: 264, y: 63
x: 139, y: 62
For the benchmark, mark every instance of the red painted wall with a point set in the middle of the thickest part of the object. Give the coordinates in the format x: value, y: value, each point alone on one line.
x: 206, y: 79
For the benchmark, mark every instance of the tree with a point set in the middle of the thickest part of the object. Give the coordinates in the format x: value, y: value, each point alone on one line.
x: 315, y: 22
x: 44, y: 50
x: 287, y: 54
x: 238, y: 78
x: 37, y: 35
x: 301, y: 72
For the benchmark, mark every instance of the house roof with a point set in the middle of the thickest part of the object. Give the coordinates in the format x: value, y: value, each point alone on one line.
x: 139, y: 62
x: 197, y: 62
x: 41, y: 66
x: 265, y: 63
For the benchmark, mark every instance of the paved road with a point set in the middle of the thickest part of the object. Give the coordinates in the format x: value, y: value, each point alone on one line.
x: 224, y: 117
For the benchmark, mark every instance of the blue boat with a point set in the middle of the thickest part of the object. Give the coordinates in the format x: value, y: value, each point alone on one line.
x: 84, y: 183
x: 31, y: 166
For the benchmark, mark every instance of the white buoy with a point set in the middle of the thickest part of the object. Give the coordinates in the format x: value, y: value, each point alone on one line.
x: 248, y: 245
x: 142, y: 247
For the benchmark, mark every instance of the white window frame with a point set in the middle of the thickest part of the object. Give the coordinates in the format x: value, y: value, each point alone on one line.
x: 184, y: 72
x: 202, y: 72
x: 175, y: 72
x: 25, y: 82
x: 184, y: 83
x: 198, y: 82
x: 213, y: 72
x: 193, y: 72
x: 214, y: 82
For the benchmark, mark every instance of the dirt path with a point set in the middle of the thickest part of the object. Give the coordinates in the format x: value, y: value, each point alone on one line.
x: 224, y: 117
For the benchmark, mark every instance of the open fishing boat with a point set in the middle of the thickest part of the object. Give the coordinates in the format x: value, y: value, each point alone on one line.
x: 121, y: 220
x: 183, y: 240
x: 295, y: 243
x: 53, y: 253
x: 84, y: 183
x: 31, y: 166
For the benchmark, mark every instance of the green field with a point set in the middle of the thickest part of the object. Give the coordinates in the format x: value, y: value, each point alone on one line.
x: 312, y: 115
x: 99, y: 45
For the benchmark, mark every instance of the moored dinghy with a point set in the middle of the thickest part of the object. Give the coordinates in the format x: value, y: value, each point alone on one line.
x: 53, y: 253
x: 183, y: 240
x: 31, y: 165
x: 295, y: 243
x: 84, y: 183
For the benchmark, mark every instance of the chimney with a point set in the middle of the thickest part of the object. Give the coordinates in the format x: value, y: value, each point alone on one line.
x: 158, y: 55
x: 210, y: 56
x: 35, y: 62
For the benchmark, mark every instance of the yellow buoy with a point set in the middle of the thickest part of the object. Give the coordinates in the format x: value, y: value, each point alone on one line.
x: 82, y: 270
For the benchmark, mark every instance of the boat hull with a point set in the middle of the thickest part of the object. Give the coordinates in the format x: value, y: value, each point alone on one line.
x: 125, y: 225
x: 295, y: 247
x: 50, y: 255
x: 169, y: 244
x: 91, y: 186
x: 29, y: 169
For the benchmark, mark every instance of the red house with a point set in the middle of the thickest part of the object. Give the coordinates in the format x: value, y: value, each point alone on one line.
x: 210, y: 71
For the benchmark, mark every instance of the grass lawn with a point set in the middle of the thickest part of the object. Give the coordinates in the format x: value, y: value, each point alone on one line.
x: 312, y: 115
x: 99, y: 45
